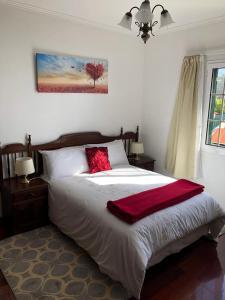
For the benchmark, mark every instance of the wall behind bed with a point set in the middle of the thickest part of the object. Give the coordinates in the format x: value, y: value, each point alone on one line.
x: 46, y: 116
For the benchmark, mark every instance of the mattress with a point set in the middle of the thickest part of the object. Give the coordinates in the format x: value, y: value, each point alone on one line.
x: 77, y: 206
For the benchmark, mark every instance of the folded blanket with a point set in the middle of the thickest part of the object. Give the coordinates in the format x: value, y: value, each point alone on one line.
x: 138, y: 206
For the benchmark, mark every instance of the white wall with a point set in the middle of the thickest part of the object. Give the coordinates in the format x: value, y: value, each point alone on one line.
x: 164, y: 57
x: 46, y: 116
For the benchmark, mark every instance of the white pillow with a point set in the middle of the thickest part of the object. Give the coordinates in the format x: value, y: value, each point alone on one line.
x: 116, y: 152
x: 64, y: 162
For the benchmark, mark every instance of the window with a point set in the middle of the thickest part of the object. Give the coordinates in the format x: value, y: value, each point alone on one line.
x: 215, y: 135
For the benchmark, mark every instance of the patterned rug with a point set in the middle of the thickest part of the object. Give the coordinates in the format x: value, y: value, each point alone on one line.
x: 44, y: 264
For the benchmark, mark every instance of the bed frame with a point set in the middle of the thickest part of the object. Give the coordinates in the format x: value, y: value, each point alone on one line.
x: 9, y: 153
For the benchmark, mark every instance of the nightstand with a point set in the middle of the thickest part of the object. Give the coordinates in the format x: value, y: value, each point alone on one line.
x: 24, y: 206
x: 145, y: 162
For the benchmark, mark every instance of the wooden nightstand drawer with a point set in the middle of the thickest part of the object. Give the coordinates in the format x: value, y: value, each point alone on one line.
x: 25, y: 206
x: 143, y: 162
x: 27, y: 215
x: 28, y: 195
x: 147, y: 166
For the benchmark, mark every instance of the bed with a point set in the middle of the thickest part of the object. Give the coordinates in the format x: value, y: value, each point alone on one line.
x: 77, y: 206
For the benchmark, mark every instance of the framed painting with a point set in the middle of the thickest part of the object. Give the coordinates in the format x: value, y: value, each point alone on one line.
x: 71, y: 74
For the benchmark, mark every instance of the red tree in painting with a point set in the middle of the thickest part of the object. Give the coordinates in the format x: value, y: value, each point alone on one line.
x: 95, y: 71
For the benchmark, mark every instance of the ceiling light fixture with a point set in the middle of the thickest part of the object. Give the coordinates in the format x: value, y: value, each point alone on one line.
x: 144, y: 19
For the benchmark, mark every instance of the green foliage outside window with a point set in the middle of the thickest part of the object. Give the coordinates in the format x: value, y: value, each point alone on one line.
x: 219, y: 106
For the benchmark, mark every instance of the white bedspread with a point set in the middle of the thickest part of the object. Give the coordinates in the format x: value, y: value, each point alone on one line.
x: 77, y: 205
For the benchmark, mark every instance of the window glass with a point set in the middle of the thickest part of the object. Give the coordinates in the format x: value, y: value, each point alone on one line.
x: 216, y: 115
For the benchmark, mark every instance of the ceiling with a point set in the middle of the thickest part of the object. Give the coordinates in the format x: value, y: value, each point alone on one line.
x: 107, y: 13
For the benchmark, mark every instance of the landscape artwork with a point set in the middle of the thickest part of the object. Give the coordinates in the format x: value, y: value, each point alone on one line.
x: 71, y: 74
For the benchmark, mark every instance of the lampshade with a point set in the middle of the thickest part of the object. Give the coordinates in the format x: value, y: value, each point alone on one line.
x: 144, y: 15
x: 24, y: 166
x: 165, y: 19
x: 126, y: 21
x: 137, y: 148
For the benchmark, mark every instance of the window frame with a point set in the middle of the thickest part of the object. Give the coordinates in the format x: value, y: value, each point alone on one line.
x: 207, y: 105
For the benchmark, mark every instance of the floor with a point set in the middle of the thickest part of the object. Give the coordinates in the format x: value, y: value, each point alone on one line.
x: 5, y: 291
x: 196, y: 273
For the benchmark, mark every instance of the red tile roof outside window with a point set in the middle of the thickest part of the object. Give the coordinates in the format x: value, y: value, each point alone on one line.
x: 215, y: 135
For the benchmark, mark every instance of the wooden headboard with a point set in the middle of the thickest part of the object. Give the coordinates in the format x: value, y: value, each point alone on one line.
x: 10, y: 152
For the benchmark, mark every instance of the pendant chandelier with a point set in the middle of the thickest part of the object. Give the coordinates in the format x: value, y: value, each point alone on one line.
x: 144, y: 19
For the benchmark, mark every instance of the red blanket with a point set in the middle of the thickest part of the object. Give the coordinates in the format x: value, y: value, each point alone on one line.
x: 138, y: 206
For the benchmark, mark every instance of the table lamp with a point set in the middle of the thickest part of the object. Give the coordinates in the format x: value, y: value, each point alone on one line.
x: 23, y: 167
x: 137, y: 148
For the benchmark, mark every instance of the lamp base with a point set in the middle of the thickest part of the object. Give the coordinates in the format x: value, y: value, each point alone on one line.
x: 137, y: 157
x: 25, y: 180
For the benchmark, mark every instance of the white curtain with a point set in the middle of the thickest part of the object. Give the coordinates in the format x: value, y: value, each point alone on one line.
x: 183, y: 147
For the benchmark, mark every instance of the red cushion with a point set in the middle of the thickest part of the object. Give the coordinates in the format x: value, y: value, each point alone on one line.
x: 98, y: 159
